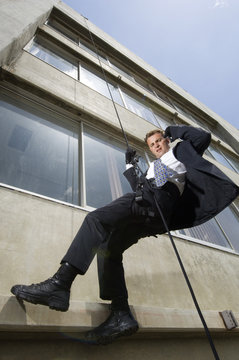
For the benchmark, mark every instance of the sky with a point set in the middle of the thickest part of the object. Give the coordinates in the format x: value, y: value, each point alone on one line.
x: 193, y: 42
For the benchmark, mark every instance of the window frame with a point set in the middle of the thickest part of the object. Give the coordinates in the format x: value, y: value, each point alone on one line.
x: 230, y: 247
x: 97, y: 73
x: 221, y: 153
x: 73, y: 36
x: 55, y: 49
x: 51, y: 115
x: 83, y: 44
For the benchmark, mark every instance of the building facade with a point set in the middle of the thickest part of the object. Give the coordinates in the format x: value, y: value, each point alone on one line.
x: 62, y: 155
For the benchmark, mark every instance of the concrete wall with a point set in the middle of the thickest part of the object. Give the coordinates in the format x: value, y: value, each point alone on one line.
x: 36, y: 232
x: 142, y: 348
x: 19, y: 21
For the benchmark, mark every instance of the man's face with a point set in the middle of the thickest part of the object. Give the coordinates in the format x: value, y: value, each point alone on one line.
x: 158, y: 145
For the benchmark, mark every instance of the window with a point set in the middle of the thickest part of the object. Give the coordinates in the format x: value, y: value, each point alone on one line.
x: 87, y: 48
x: 180, y: 109
x: 91, y: 50
x: 143, y: 84
x: 163, y: 97
x: 95, y: 82
x: 63, y: 29
x: 223, y: 159
x: 187, y: 114
x: 138, y: 108
x: 209, y: 232
x: 228, y: 221
x: 38, y: 154
x: 221, y: 230
x: 233, y: 161
x: 163, y: 123
x: 53, y: 58
x: 104, y: 161
x: 120, y: 70
x: 200, y: 123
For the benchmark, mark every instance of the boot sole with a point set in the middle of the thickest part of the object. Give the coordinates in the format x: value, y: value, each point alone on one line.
x: 52, y: 302
x: 105, y: 340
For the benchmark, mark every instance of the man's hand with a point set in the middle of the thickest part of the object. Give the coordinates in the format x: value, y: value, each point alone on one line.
x: 167, y: 133
x: 129, y: 155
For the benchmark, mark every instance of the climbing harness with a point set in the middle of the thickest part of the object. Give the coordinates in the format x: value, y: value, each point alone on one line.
x: 138, y: 169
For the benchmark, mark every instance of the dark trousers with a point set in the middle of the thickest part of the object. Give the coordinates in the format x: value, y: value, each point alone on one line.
x: 110, y: 230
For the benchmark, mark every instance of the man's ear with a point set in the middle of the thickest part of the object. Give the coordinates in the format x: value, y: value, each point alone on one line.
x: 168, y: 142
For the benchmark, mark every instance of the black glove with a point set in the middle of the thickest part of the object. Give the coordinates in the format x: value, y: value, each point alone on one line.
x: 167, y: 132
x: 129, y: 155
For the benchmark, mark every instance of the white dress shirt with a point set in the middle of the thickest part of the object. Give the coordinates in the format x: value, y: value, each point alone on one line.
x: 177, y: 169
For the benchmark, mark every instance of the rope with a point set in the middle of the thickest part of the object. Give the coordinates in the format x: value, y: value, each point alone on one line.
x: 216, y: 356
x: 107, y: 83
x: 188, y: 283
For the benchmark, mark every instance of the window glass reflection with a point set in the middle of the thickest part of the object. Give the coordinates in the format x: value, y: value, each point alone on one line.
x: 162, y: 122
x: 139, y: 109
x: 54, y: 59
x: 218, y: 230
x: 38, y: 155
x: 104, y: 167
x: 229, y: 221
x: 234, y: 162
x: 63, y: 30
x: 96, y: 83
x: 219, y: 157
x: 85, y: 46
x: 209, y: 232
x: 120, y: 70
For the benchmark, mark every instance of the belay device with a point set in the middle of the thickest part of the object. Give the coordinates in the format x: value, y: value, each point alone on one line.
x: 139, y: 195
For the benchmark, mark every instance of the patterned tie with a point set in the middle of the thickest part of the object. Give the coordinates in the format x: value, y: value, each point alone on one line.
x: 161, y: 172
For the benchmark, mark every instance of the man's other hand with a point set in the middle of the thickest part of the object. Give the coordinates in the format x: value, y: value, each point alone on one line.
x: 129, y: 155
x: 167, y: 132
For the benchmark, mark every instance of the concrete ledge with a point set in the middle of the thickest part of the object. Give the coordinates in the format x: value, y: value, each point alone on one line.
x: 81, y: 316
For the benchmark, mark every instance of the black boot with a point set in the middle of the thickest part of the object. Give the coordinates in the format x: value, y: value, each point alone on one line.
x: 53, y: 292
x: 119, y: 323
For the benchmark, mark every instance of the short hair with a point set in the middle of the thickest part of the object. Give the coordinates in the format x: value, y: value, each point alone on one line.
x: 152, y: 132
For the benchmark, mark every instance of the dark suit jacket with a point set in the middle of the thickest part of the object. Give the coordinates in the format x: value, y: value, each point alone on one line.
x: 207, y: 191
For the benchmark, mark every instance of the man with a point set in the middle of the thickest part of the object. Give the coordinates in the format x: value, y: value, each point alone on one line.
x: 189, y: 191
